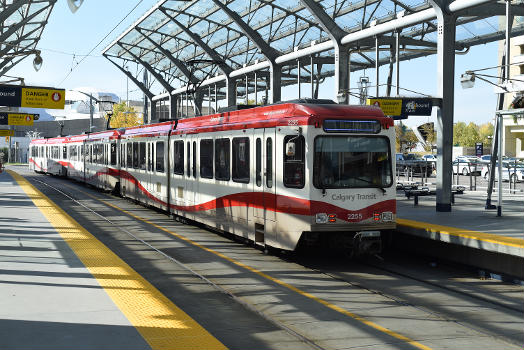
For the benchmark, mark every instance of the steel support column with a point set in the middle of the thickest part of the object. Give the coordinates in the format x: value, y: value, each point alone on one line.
x: 275, y: 83
x: 342, y: 74
x: 446, y: 91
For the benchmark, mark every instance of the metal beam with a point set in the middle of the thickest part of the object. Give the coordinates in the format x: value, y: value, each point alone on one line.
x: 138, y: 83
x: 328, y: 24
x: 146, y: 65
x: 12, y: 29
x: 199, y: 42
x: 10, y: 9
x: 178, y: 63
x: 446, y: 91
x: 491, y: 9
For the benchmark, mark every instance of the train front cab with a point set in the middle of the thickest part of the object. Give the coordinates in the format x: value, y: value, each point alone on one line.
x: 336, y: 185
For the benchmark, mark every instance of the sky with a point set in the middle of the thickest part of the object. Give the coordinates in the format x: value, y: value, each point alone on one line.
x: 67, y: 37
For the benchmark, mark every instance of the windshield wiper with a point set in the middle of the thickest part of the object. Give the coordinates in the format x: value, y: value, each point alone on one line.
x: 369, y: 182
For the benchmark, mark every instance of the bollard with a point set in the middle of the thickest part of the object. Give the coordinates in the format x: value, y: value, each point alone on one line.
x: 452, y: 198
x: 416, y: 199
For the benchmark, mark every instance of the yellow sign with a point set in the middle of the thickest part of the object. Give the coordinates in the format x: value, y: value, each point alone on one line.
x: 19, y: 119
x: 391, y: 107
x: 7, y: 133
x: 43, y: 98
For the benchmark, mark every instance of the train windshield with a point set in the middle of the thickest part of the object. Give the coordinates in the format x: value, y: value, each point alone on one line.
x: 352, y: 162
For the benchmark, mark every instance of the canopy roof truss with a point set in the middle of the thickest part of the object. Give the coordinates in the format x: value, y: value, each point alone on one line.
x: 21, y: 25
x: 234, y: 39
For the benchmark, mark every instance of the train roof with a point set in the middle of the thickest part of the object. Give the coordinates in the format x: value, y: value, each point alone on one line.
x: 257, y: 117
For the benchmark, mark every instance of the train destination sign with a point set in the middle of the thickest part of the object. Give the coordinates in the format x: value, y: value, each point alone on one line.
x: 32, y: 97
x: 402, y: 108
x: 23, y: 119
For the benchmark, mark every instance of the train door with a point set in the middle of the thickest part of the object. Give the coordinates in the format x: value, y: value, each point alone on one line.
x: 264, y: 185
x: 189, y: 186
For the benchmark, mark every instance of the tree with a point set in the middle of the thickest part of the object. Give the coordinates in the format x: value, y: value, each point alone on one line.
x: 486, y: 133
x: 124, y: 116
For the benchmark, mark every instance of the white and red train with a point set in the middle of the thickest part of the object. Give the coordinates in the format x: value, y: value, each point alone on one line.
x: 276, y: 175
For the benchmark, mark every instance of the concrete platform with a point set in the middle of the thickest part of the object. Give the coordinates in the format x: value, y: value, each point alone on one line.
x: 60, y: 289
x: 468, y: 224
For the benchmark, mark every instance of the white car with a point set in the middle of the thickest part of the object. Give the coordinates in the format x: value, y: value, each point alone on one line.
x: 513, y: 172
x: 464, y: 166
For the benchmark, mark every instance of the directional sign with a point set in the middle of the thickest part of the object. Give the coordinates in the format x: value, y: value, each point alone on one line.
x: 30, y: 96
x: 7, y: 133
x: 401, y: 108
x: 18, y: 119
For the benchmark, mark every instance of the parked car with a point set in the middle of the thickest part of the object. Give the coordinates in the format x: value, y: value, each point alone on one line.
x: 465, y: 166
x: 415, y: 162
x: 512, y: 171
x: 485, y: 158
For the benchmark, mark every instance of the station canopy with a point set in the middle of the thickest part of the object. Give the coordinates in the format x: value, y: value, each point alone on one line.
x: 202, y: 42
x: 21, y: 25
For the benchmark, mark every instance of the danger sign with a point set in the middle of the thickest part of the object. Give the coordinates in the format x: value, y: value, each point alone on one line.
x: 56, y: 96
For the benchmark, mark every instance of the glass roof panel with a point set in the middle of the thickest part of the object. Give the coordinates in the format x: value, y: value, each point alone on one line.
x: 283, y: 24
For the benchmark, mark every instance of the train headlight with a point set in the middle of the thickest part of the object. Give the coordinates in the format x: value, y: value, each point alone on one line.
x: 387, y: 216
x: 321, y: 218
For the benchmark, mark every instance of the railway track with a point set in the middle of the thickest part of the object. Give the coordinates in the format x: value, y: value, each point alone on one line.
x: 389, y: 287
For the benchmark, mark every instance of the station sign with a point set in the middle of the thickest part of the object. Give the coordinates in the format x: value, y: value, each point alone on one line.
x: 402, y: 108
x: 32, y: 97
x: 7, y: 133
x: 23, y: 119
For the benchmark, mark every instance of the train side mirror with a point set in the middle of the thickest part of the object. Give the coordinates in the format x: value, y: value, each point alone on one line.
x: 290, y: 149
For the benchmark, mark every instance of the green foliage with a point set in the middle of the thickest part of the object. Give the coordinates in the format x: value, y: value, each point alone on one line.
x: 124, y: 116
x: 468, y: 135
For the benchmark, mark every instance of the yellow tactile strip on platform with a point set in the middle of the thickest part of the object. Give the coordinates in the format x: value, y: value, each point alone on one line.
x: 162, y: 324
x: 459, y: 232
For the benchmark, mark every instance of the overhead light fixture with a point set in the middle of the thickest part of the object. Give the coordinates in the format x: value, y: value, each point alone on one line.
x: 37, y: 62
x: 74, y: 5
x: 467, y: 80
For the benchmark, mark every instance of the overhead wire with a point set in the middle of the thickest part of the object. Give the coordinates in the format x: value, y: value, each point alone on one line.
x: 100, y: 42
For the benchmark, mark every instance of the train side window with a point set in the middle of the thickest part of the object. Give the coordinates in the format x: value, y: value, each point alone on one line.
x: 269, y: 162
x: 142, y: 156
x: 101, y: 154
x: 294, y: 165
x: 160, y: 156
x: 113, y: 153
x: 222, y: 147
x: 178, y: 162
x: 241, y: 171
x: 129, y: 155
x: 206, y: 159
x: 64, y: 152
x: 258, y: 162
x: 194, y: 159
x: 91, y: 154
x: 188, y: 161
x: 135, y: 155
x: 148, y: 156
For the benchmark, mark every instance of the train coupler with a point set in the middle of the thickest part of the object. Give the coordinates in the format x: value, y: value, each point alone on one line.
x: 367, y: 243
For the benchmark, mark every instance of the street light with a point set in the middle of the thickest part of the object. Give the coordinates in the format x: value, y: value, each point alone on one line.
x: 74, y: 5
x: 37, y: 61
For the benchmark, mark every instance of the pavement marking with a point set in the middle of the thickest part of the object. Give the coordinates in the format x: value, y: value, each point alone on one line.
x: 275, y: 280
x: 160, y: 322
x: 464, y: 233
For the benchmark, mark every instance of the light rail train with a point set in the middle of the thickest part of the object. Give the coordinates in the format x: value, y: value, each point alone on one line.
x: 277, y: 175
